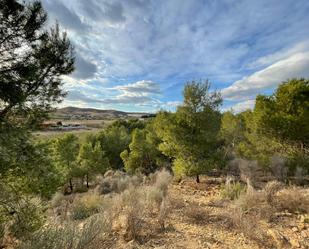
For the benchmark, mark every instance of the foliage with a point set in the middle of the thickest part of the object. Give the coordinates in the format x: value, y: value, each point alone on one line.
x: 143, y: 156
x: 285, y: 114
x: 65, y: 151
x: 113, y: 141
x: 232, y: 190
x: 190, y: 136
x: 86, y: 206
x: 30, y: 77
x: 70, y: 236
x: 92, y: 160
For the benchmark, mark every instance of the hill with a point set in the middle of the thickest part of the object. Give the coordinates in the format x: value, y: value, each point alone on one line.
x: 92, y: 113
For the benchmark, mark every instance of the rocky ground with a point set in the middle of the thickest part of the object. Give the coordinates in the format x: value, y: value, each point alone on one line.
x: 199, y: 219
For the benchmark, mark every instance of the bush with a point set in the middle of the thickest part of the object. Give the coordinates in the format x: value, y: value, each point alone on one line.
x: 196, y: 214
x: 86, y: 206
x: 248, y: 225
x: 255, y: 203
x: 57, y: 200
x: 162, y: 180
x: 81, y: 189
x: 134, y: 209
x: 294, y: 200
x: 28, y: 217
x: 231, y: 190
x: 70, y: 236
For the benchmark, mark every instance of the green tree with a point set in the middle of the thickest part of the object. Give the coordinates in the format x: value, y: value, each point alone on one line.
x: 113, y: 141
x: 285, y: 114
x: 32, y: 61
x: 190, y: 136
x: 143, y: 154
x: 231, y: 131
x: 92, y: 160
x: 66, y: 151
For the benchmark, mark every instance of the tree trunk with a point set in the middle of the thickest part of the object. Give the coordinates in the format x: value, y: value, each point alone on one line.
x: 197, y: 179
x: 71, y: 185
x: 87, y: 180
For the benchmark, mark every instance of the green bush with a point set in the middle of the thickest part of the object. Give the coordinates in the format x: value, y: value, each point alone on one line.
x: 231, y: 191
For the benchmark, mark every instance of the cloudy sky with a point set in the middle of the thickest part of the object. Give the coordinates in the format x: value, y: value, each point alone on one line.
x: 136, y: 55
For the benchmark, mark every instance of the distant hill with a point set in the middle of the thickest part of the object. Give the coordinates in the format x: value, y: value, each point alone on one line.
x: 92, y: 113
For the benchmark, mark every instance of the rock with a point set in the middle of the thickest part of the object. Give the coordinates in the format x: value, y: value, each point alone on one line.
x: 304, y: 234
x: 294, y: 243
x: 280, y: 240
x: 295, y: 229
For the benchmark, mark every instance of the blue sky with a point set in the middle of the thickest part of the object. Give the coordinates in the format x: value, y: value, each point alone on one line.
x: 136, y: 55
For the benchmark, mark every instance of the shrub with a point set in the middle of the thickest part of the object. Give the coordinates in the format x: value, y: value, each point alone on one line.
x: 28, y: 217
x: 81, y: 189
x: 278, y: 168
x: 231, y: 190
x: 70, y: 236
x: 196, y: 214
x: 134, y: 210
x: 57, y: 200
x: 271, y: 189
x: 255, y: 203
x: 163, y: 213
x: 247, y: 224
x: 86, y: 206
x: 300, y: 175
x: 294, y: 200
x: 162, y: 180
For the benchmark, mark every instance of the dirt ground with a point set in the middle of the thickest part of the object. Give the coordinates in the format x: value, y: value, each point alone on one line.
x: 198, y: 219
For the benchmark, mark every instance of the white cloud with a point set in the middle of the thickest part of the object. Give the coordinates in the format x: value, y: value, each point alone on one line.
x: 295, y: 65
x: 140, y: 87
x: 241, y: 106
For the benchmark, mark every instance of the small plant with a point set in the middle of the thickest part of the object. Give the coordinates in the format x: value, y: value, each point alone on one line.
x: 196, y: 214
x: 231, y: 191
x: 70, y: 236
x: 86, y: 206
x: 306, y: 219
x: 57, y: 200
x: 294, y: 200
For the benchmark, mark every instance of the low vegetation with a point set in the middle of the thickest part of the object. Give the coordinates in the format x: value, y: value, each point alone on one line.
x: 115, y: 186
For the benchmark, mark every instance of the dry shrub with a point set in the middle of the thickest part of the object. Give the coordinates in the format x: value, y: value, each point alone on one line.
x: 134, y: 210
x: 86, y: 206
x: 57, y: 200
x: 70, y: 236
x: 162, y: 180
x: 196, y: 214
x: 163, y: 213
x: 294, y: 200
x: 254, y: 203
x: 300, y: 176
x: 278, y: 168
x: 271, y: 189
x: 248, y: 225
x: 137, y: 203
x: 117, y: 182
x: 249, y: 170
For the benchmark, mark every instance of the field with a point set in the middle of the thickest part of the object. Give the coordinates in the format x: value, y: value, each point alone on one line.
x: 93, y: 126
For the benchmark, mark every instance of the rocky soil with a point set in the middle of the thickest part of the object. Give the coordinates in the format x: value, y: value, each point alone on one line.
x: 200, y: 219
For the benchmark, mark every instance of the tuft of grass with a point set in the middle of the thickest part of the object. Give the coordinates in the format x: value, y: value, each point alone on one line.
x: 86, y: 206
x: 231, y: 191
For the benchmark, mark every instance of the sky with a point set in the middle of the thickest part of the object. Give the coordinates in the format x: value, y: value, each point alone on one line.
x: 137, y: 55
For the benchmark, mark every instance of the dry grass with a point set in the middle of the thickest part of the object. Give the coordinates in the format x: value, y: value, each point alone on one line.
x: 293, y: 199
x: 86, y: 206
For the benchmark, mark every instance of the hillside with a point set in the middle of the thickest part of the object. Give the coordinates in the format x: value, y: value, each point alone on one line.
x: 92, y: 113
